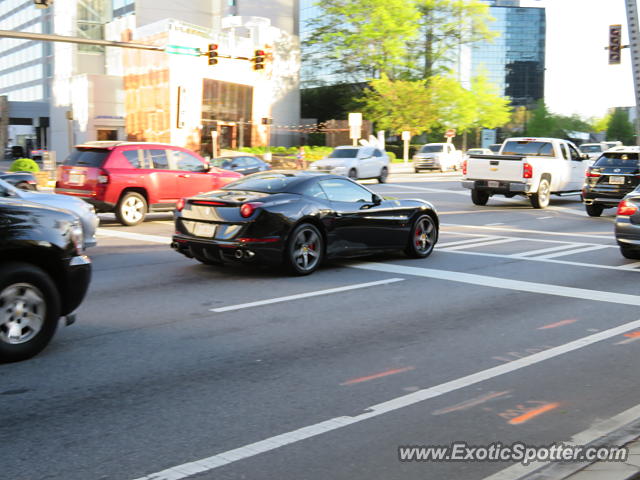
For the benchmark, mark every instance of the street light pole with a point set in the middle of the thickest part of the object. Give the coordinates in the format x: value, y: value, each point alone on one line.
x: 632, y: 22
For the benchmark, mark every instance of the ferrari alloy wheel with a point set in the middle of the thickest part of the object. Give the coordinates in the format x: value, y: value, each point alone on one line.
x: 305, y: 249
x: 423, y: 237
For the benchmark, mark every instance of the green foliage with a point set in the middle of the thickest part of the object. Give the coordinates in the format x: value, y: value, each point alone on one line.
x: 542, y: 122
x: 327, y: 103
x: 357, y: 38
x: 601, y: 124
x: 392, y: 156
x: 620, y: 128
x: 24, y: 165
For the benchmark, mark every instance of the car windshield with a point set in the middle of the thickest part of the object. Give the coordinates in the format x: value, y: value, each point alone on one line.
x: 528, y: 148
x: 344, y: 153
x: 590, y: 148
x: 617, y: 159
x: 431, y: 148
x: 264, y: 182
x: 87, y: 157
x: 220, y: 162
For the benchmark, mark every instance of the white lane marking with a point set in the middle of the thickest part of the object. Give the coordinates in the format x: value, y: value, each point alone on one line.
x: 103, y: 232
x: 527, y: 239
x: 494, y: 224
x: 517, y: 230
x: 549, y: 260
x: 507, y: 284
x: 630, y: 266
x: 544, y: 218
x: 532, y: 253
x: 206, y: 464
x: 577, y: 250
x: 468, y: 240
x: 599, y: 430
x: 482, y: 244
x: 433, y: 190
x: 305, y: 295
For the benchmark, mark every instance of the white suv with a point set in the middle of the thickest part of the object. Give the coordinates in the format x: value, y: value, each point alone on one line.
x: 355, y: 162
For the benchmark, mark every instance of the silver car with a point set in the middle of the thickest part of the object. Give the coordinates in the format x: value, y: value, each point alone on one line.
x: 84, y: 211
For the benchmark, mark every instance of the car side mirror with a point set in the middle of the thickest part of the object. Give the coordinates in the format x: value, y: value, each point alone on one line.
x: 585, y: 156
x: 376, y: 199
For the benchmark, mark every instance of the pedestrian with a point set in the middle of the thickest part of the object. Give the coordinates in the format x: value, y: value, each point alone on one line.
x: 300, y: 163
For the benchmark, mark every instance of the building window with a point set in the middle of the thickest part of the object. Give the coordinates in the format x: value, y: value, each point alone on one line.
x: 123, y: 7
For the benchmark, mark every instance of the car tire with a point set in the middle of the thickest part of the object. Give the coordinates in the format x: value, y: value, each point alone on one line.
x: 594, y: 210
x: 384, y: 173
x: 29, y: 311
x: 304, y: 239
x: 131, y: 209
x: 479, y: 197
x: 541, y: 198
x: 422, y: 237
x: 630, y: 252
x: 353, y: 174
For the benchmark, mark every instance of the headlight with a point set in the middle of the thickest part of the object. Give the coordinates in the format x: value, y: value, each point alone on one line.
x: 76, y: 235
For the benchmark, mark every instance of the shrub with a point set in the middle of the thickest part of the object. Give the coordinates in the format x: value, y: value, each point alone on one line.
x: 392, y: 156
x: 24, y: 165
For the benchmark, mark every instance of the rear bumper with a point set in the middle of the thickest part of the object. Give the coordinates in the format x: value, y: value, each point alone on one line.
x: 611, y: 199
x: 501, y: 187
x: 268, y: 250
x: 88, y: 196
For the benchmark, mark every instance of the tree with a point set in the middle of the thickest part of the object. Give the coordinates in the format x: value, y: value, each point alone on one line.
x: 620, y: 128
x: 542, y: 122
x: 399, y: 105
x: 445, y: 25
x: 601, y: 124
x: 363, y: 39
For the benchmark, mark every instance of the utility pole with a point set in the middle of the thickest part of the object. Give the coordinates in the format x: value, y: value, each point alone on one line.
x: 632, y: 22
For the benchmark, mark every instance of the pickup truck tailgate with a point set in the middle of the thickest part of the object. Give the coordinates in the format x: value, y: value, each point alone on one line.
x: 494, y: 167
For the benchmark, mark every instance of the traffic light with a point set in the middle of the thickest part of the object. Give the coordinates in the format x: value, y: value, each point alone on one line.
x: 615, y: 44
x: 258, y: 59
x: 212, y: 53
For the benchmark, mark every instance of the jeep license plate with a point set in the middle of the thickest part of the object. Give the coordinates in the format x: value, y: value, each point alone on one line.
x: 204, y: 230
x: 616, y: 180
x: 76, y: 178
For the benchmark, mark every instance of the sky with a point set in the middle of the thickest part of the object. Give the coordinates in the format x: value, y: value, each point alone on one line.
x: 578, y: 77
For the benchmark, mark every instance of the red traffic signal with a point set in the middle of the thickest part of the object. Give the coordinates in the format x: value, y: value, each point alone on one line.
x: 212, y: 53
x: 258, y: 59
x: 615, y: 44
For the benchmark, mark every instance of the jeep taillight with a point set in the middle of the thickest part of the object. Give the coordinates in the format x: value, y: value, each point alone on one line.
x: 527, y: 170
x: 103, y: 177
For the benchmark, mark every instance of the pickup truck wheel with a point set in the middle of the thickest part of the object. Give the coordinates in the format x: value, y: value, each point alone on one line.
x: 540, y: 199
x: 630, y: 252
x: 479, y: 197
x: 131, y: 209
x: 29, y: 311
x: 594, y: 210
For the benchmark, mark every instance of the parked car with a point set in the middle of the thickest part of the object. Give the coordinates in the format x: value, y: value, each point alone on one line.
x: 438, y: 156
x: 355, y: 162
x: 44, y: 275
x: 610, y: 178
x: 134, y: 178
x: 627, y: 228
x: 299, y: 219
x: 594, y: 150
x: 21, y: 180
x: 245, y: 164
x: 84, y: 211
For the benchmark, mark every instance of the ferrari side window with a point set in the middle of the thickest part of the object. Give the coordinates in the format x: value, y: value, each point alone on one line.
x: 339, y: 190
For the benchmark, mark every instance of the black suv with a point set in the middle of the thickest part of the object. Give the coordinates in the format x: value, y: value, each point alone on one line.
x: 610, y: 178
x: 43, y: 274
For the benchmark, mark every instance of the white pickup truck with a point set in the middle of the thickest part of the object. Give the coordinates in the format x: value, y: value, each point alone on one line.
x: 534, y: 167
x: 440, y: 156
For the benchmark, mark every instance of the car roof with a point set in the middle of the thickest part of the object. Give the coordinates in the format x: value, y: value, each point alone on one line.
x: 108, y: 144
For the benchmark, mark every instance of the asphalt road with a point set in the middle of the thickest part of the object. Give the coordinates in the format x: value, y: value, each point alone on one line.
x: 518, y: 328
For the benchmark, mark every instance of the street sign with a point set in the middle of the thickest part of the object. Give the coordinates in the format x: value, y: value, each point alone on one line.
x: 406, y: 135
x: 180, y: 50
x: 49, y: 161
x: 355, y: 120
x: 450, y: 133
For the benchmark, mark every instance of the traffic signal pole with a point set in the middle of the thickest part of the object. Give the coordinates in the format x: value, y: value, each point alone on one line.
x: 632, y: 22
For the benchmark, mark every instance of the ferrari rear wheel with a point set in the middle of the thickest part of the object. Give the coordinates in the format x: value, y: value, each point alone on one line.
x: 305, y: 250
x: 422, y: 238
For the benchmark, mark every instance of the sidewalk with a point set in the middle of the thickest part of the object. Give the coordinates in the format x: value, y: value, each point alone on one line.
x: 401, y: 167
x: 629, y: 470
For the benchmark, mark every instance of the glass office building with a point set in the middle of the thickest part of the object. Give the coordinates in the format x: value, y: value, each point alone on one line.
x: 514, y: 61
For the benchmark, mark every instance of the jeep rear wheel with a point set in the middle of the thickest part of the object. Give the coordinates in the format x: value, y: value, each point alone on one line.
x: 131, y: 209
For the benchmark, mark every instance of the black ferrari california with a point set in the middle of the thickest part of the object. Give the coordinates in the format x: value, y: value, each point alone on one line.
x: 299, y: 219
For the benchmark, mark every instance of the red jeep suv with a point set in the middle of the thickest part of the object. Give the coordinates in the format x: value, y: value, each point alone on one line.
x: 133, y: 178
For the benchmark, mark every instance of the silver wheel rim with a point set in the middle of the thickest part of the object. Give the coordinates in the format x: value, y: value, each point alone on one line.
x: 22, y: 313
x: 424, y: 235
x: 383, y: 173
x: 132, y: 209
x: 543, y: 194
x: 353, y: 174
x: 306, y: 249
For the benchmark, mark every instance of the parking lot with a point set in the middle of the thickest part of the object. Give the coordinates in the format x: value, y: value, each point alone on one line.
x: 521, y: 326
